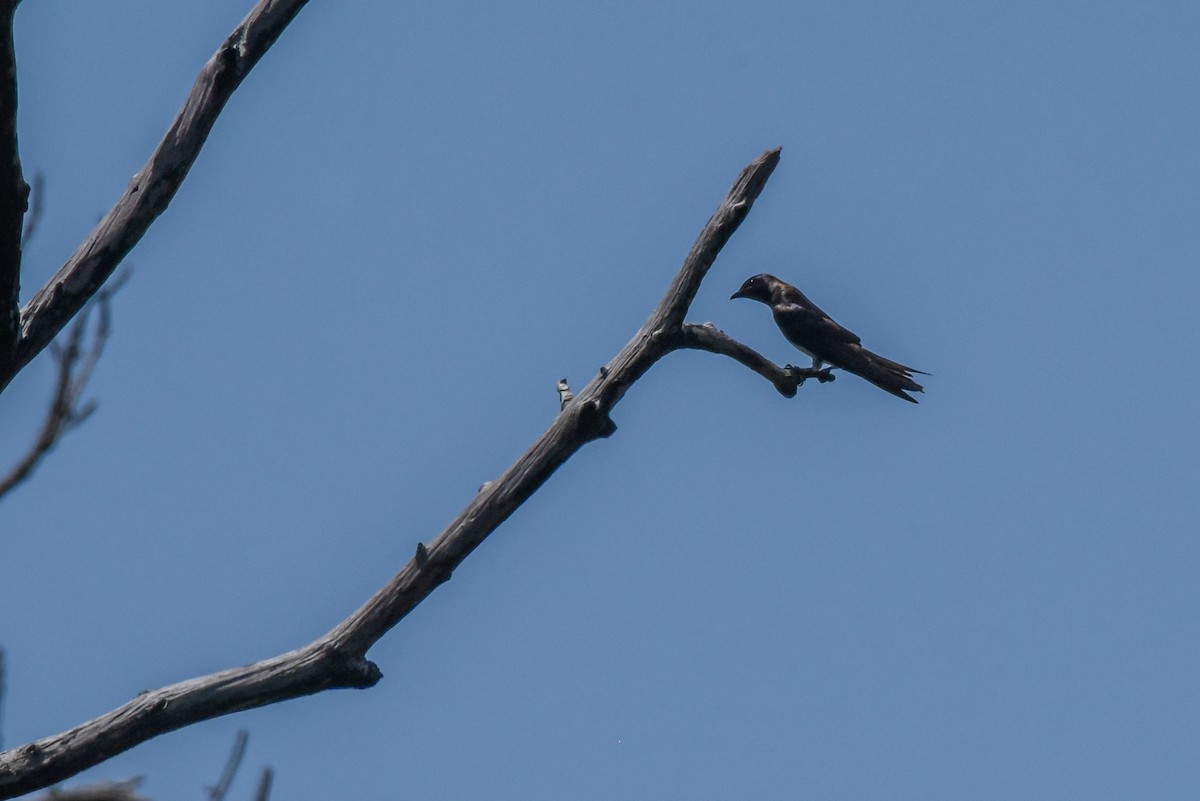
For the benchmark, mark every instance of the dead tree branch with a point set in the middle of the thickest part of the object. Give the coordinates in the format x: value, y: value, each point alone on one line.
x: 149, y: 191
x: 219, y: 790
x: 786, y: 379
x: 75, y: 366
x: 14, y: 192
x: 264, y: 785
x: 338, y: 659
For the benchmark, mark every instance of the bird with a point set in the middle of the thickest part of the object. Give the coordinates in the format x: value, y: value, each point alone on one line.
x: 817, y: 334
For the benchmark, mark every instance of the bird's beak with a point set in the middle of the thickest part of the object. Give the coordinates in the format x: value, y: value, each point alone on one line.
x: 736, y: 295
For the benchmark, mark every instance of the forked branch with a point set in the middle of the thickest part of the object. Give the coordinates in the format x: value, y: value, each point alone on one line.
x: 75, y: 358
x: 338, y: 659
x: 148, y: 192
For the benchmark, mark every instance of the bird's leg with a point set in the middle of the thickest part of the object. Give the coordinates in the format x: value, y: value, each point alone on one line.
x: 821, y: 375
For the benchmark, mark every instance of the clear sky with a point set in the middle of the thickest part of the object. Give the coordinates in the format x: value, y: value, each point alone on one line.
x: 414, y: 218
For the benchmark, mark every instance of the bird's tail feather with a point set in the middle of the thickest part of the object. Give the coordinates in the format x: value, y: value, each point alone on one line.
x: 886, y: 374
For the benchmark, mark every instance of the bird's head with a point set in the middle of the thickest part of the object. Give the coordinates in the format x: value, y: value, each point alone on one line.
x: 758, y: 287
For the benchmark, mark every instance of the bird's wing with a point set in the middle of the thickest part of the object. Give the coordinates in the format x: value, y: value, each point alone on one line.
x: 810, y: 328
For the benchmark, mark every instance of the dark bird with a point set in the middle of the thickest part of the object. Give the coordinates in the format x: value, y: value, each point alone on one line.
x: 815, y: 332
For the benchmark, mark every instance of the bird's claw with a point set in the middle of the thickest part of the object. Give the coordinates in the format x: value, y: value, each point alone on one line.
x: 803, y: 373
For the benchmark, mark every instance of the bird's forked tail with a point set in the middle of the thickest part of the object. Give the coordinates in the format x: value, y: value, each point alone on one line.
x: 886, y: 374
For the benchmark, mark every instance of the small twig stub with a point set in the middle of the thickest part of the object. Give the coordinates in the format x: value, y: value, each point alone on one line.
x: 565, y: 395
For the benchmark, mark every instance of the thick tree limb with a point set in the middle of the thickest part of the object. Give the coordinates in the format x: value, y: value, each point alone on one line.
x: 14, y: 192
x: 584, y: 419
x: 338, y: 659
x: 152, y: 188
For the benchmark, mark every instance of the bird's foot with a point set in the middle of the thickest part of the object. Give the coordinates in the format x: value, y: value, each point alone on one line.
x: 824, y: 376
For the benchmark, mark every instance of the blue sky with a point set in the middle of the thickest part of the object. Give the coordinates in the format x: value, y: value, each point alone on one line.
x: 411, y: 220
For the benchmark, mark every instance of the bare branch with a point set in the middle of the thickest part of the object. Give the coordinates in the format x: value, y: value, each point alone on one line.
x: 218, y: 791
x: 786, y: 379
x: 75, y: 366
x: 338, y: 659
x: 264, y: 785
x: 586, y: 418
x: 152, y: 188
x: 14, y: 192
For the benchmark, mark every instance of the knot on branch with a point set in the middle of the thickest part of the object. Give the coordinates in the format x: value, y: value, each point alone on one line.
x: 440, y: 573
x: 342, y: 669
x: 592, y: 421
x: 32, y: 753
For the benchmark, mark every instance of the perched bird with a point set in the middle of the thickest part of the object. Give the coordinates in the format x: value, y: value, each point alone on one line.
x: 815, y: 332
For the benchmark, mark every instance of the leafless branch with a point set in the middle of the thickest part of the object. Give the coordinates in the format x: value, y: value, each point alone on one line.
x: 218, y: 791
x: 264, y: 785
x: 75, y: 365
x: 14, y: 192
x: 150, y: 191
x: 338, y: 659
x: 786, y: 379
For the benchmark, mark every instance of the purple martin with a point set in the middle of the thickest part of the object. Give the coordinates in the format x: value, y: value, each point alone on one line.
x: 815, y: 332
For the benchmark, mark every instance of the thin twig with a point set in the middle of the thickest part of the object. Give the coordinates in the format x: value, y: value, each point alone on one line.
x: 75, y: 366
x: 264, y: 785
x: 219, y: 790
x: 338, y: 659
